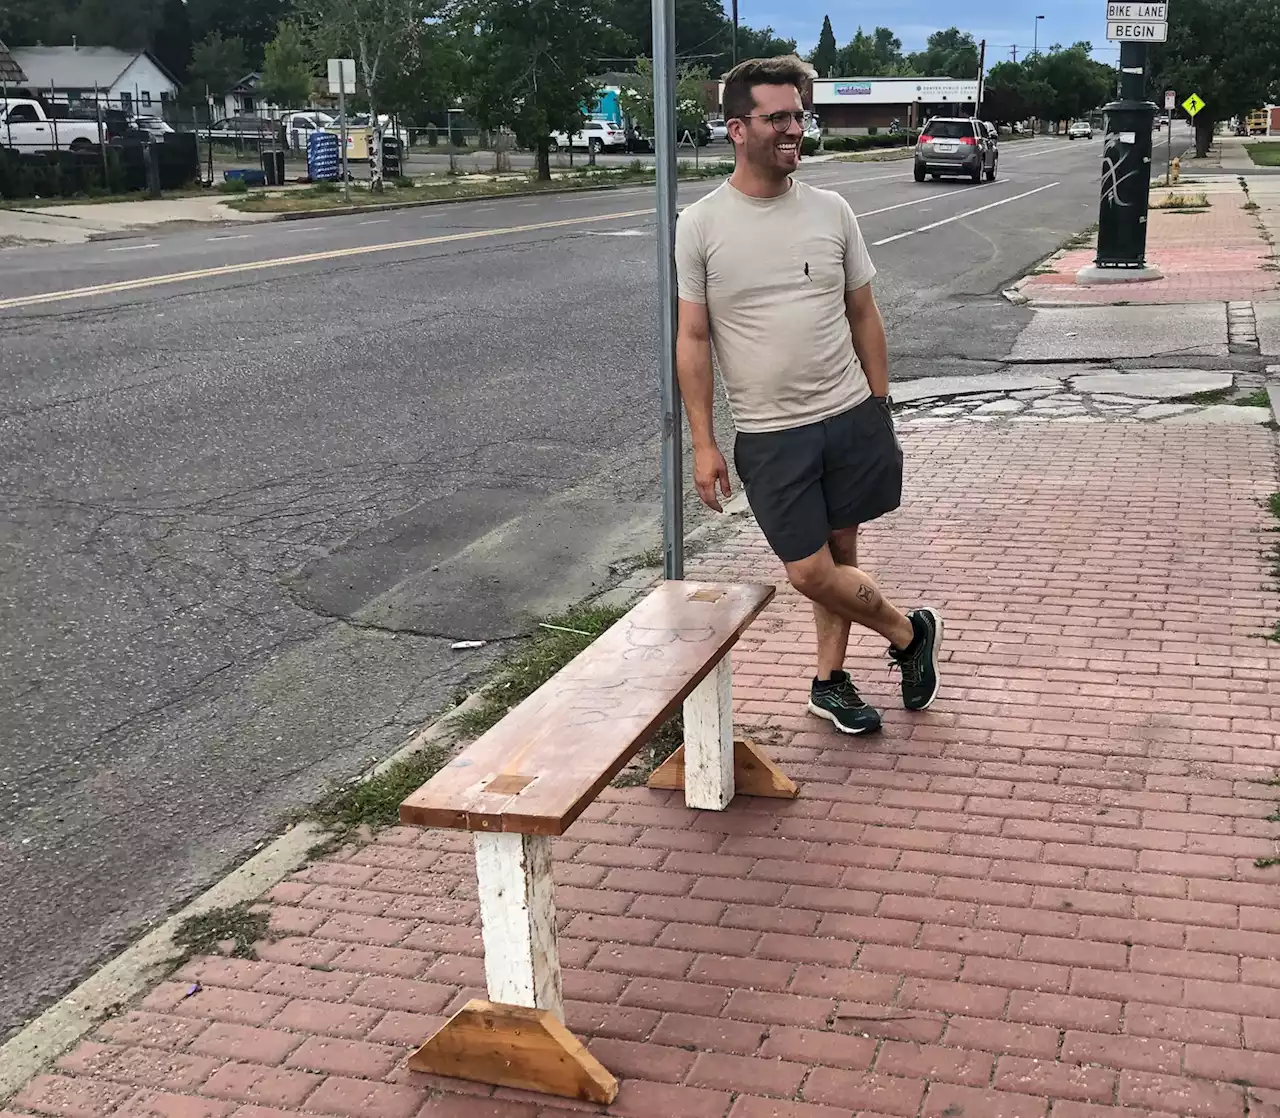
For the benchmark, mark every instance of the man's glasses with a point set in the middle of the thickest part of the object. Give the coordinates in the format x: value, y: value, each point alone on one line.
x: 780, y: 121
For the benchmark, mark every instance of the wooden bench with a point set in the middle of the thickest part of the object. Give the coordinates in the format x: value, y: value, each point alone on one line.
x: 533, y: 774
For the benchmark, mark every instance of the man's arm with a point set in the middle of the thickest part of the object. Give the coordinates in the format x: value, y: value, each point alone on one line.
x: 697, y: 387
x: 869, y: 342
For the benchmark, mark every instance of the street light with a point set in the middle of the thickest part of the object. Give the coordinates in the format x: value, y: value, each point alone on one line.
x: 1036, y: 38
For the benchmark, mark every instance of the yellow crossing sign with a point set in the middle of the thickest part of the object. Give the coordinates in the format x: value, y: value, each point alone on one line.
x: 1193, y: 104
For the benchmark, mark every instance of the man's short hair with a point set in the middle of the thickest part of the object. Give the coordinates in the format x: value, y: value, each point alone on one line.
x: 786, y: 69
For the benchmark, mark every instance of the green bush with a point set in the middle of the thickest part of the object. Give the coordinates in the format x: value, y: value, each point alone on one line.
x: 233, y: 186
x: 809, y: 145
x: 325, y: 188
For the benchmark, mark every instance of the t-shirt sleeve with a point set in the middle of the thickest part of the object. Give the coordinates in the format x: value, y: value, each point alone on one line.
x: 691, y: 260
x: 858, y: 269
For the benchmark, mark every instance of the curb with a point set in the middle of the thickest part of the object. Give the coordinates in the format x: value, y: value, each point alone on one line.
x: 138, y: 967
x: 382, y: 207
x: 142, y: 964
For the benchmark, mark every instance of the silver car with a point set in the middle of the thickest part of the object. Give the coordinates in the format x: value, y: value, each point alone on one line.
x: 957, y: 146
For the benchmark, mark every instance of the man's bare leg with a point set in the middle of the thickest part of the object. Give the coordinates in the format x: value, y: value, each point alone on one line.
x: 852, y: 597
x: 833, y: 630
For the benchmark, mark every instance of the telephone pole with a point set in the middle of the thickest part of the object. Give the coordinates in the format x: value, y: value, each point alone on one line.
x: 982, y: 76
x: 1015, y: 52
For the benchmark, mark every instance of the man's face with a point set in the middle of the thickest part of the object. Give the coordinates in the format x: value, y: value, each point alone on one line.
x: 771, y: 154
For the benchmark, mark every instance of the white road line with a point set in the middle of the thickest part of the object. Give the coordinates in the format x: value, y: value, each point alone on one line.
x: 132, y: 248
x: 481, y: 209
x: 958, y: 217
x: 376, y: 221
x: 1048, y: 150
x: 232, y: 237
x: 920, y: 201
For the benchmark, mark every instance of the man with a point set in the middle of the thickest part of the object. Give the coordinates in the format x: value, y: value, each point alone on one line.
x: 775, y: 273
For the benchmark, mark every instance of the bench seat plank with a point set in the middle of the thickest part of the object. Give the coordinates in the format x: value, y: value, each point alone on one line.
x: 539, y: 768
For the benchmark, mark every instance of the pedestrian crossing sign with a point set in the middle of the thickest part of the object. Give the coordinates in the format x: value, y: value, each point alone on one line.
x: 1193, y: 104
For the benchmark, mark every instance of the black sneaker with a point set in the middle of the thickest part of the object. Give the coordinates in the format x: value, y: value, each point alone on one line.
x: 919, y: 660
x: 838, y: 701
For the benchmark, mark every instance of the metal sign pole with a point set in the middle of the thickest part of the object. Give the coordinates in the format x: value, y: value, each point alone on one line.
x: 664, y: 129
x: 342, y: 112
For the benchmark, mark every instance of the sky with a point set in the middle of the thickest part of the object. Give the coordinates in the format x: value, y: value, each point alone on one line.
x: 1000, y: 22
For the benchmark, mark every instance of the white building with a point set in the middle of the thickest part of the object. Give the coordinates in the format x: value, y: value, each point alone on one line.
x: 133, y: 80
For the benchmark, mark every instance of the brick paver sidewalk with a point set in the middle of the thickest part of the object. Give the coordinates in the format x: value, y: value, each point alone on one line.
x: 1218, y: 254
x: 1039, y: 899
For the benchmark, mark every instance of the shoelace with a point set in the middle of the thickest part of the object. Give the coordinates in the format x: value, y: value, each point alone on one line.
x: 911, y: 667
x: 845, y: 696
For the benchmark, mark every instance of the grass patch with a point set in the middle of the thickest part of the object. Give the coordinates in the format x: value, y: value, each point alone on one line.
x: 222, y: 931
x: 542, y: 658
x: 1216, y: 396
x: 1258, y: 398
x: 1266, y: 863
x: 1273, y: 505
x: 375, y: 802
x: 1185, y: 202
x: 448, y: 189
x: 1264, y: 155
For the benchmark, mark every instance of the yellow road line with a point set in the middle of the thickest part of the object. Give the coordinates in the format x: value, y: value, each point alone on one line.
x: 305, y: 258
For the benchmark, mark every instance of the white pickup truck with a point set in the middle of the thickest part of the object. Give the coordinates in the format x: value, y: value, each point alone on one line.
x: 26, y: 127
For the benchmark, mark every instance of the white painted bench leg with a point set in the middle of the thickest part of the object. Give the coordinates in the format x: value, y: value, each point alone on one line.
x: 708, y: 741
x: 518, y: 921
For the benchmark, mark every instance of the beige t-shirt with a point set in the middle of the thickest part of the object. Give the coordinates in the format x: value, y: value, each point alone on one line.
x: 773, y: 273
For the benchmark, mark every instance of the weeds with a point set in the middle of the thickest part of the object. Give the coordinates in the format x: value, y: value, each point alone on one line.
x: 1258, y: 398
x: 222, y: 931
x: 375, y: 802
x: 1183, y: 202
x: 1216, y: 396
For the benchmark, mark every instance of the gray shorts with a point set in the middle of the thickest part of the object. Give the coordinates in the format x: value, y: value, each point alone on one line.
x: 807, y: 482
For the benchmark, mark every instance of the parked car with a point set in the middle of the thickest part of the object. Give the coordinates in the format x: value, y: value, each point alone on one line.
x: 596, y: 135
x: 245, y: 126
x: 26, y: 127
x: 718, y: 128
x: 957, y: 146
x: 813, y: 128
x: 154, y: 127
x: 1080, y: 130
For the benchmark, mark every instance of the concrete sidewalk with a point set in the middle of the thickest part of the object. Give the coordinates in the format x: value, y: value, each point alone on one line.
x: 1053, y: 895
x: 75, y: 224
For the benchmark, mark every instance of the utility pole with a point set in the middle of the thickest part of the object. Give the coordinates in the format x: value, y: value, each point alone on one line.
x: 735, y: 31
x: 1015, y: 52
x: 982, y: 76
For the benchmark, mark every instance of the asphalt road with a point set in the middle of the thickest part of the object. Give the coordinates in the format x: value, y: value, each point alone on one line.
x: 244, y: 512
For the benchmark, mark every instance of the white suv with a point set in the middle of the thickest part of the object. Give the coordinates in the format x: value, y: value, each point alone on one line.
x: 596, y: 135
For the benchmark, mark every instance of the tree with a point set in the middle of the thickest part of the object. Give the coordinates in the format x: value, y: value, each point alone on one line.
x: 1066, y: 84
x: 1228, y: 51
x: 374, y: 32
x: 216, y: 65
x: 253, y: 22
x: 755, y: 42
x: 948, y: 54
x: 825, y: 54
x: 172, y: 42
x: 872, y: 56
x: 126, y: 24
x: 1006, y: 95
x: 534, y: 64
x: 288, y: 74
x: 691, y: 97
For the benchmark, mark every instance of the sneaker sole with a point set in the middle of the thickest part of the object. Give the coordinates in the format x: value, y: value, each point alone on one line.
x: 937, y: 648
x: 840, y: 725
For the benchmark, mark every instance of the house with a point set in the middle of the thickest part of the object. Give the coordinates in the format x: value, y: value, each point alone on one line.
x: 10, y: 72
x: 132, y: 80
x: 242, y: 99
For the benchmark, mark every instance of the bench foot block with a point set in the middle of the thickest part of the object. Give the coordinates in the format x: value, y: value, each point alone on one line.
x: 753, y: 773
x: 512, y: 1046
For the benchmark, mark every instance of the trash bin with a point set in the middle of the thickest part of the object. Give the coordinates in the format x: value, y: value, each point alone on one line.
x: 323, y: 157
x: 391, y: 157
x: 269, y: 168
x: 278, y: 157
